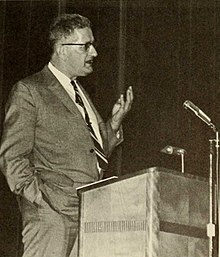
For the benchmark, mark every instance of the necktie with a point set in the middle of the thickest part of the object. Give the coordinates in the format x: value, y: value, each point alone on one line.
x: 102, y: 159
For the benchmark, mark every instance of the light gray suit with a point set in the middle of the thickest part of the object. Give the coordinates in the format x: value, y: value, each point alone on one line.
x: 47, y: 147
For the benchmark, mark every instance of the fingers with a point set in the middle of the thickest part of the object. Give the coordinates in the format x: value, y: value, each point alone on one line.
x: 125, y: 106
x: 122, y: 101
x: 129, y: 99
x: 121, y: 108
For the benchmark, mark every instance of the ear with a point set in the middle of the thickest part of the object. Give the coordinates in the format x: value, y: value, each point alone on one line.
x: 60, y: 50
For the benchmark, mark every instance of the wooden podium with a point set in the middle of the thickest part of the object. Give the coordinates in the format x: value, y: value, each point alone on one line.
x: 152, y: 213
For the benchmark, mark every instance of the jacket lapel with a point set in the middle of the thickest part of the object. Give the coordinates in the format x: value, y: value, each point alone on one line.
x: 57, y: 89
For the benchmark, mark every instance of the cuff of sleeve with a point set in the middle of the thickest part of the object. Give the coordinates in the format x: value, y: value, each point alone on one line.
x: 118, y: 134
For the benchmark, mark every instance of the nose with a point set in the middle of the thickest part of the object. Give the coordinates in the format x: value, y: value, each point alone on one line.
x: 92, y: 51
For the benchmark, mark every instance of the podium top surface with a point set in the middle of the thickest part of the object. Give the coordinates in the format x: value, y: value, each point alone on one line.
x: 114, y: 179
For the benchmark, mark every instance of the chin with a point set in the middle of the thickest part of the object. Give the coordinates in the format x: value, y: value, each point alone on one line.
x: 87, y: 72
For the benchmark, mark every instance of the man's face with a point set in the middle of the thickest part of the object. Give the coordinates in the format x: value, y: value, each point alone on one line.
x: 78, y: 59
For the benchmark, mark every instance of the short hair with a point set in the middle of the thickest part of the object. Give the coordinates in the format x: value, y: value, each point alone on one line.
x: 64, y: 25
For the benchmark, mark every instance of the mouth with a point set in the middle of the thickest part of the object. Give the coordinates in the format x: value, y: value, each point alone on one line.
x: 90, y: 62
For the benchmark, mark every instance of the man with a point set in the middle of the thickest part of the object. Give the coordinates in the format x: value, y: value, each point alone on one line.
x: 55, y: 141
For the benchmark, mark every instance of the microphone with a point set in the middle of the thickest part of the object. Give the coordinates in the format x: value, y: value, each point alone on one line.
x: 173, y: 150
x: 198, y: 112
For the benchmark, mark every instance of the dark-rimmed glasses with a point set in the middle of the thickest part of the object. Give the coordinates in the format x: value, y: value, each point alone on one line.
x: 86, y: 45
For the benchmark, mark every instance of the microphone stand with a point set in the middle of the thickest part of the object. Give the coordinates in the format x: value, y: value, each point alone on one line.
x: 213, y: 193
x: 182, y: 162
x: 217, y: 203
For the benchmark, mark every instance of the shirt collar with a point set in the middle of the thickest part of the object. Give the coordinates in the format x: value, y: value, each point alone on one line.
x: 58, y: 74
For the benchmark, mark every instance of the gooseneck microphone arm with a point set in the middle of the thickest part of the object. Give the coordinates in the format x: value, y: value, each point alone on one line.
x: 199, y: 113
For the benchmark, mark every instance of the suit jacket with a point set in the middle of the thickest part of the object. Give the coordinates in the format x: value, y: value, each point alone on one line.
x: 46, y: 145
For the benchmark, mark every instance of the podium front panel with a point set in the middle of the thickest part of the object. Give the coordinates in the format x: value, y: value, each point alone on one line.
x: 153, y: 213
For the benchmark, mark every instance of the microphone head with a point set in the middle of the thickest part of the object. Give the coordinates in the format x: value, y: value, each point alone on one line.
x: 167, y: 149
x: 186, y: 104
x: 173, y: 150
x: 197, y: 111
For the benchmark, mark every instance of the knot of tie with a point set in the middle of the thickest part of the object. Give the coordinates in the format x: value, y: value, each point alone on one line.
x: 77, y: 96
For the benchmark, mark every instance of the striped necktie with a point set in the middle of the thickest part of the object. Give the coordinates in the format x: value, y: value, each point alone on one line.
x: 102, y: 159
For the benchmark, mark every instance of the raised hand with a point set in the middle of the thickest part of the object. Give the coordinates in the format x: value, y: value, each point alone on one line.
x: 121, y: 108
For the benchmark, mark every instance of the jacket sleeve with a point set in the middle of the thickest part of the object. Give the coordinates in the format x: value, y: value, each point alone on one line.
x: 17, y: 143
x: 110, y: 138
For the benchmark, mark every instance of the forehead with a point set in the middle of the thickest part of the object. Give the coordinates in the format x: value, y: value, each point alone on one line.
x: 81, y: 35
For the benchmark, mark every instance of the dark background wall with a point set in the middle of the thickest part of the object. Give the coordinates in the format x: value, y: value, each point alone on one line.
x: 167, y: 50
x: 171, y: 56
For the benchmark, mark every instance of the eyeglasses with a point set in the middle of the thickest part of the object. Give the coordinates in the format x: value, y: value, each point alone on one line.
x: 86, y: 45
